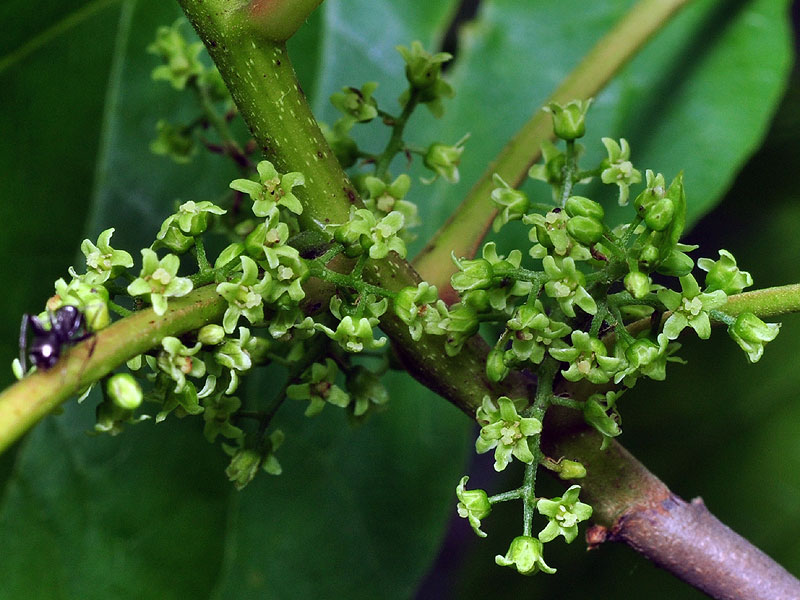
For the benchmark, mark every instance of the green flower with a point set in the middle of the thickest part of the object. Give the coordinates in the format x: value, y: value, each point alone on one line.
x: 587, y: 358
x: 551, y: 236
x: 235, y: 355
x: 569, y: 120
x: 596, y: 413
x: 564, y: 514
x: 505, y: 430
x: 102, y: 261
x: 318, y: 388
x: 272, y: 190
x: 473, y: 274
x: 618, y: 168
x: 383, y: 198
x: 288, y: 272
x: 461, y: 324
x: 646, y: 358
x: 354, y: 335
x: 421, y: 309
x: 565, y: 285
x: 443, y: 160
x: 178, y: 361
x: 217, y: 418
x: 358, y: 106
x: 365, y: 232
x: 191, y: 218
x: 159, y: 280
x: 90, y: 298
x: 526, y: 555
x: 180, y: 57
x: 245, y: 297
x: 533, y: 332
x: 723, y: 274
x: 751, y: 333
x: 175, y: 141
x: 551, y: 171
x: 111, y: 417
x: 289, y: 323
x: 473, y: 505
x: 690, y: 308
x: 505, y: 285
x: 424, y: 73
x: 512, y: 204
x: 366, y: 390
x: 246, y: 462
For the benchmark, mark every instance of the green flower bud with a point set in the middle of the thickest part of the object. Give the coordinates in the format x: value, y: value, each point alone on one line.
x: 472, y: 274
x: 660, y: 215
x: 751, y: 333
x: 677, y: 264
x: 357, y: 105
x: 526, y: 555
x: 649, y: 255
x: 585, y: 229
x: 496, y: 369
x: 637, y: 284
x: 584, y: 207
x: 569, y: 121
x: 656, y: 189
x: 512, y: 204
x: 595, y: 412
x: 423, y: 69
x: 570, y: 469
x: 211, y: 335
x: 124, y: 391
x: 443, y: 160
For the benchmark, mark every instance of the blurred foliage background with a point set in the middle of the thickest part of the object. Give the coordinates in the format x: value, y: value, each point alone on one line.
x: 369, y: 512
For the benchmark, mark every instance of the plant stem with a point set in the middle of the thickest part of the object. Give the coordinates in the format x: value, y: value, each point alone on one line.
x: 395, y: 143
x: 465, y: 229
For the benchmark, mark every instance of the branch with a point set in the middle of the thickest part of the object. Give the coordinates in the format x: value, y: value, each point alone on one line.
x: 466, y: 227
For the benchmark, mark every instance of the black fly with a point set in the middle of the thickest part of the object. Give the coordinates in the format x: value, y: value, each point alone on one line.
x: 67, y: 327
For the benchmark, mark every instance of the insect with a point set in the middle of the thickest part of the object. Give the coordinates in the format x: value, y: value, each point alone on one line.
x: 67, y: 327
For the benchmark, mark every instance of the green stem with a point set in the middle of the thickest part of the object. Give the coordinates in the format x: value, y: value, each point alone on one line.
x: 568, y: 173
x: 465, y: 229
x: 506, y: 496
x: 395, y: 143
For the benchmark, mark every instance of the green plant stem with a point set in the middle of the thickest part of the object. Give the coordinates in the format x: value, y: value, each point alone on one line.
x: 506, y: 496
x: 466, y: 228
x: 395, y: 143
x: 29, y: 400
x: 765, y: 303
x: 568, y: 173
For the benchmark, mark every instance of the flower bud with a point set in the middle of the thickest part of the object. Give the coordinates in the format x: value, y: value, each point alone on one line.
x: 496, y: 369
x: 124, y: 391
x: 751, y: 333
x: 637, y: 284
x: 569, y: 121
x: 724, y: 275
x: 444, y: 160
x: 660, y: 215
x: 570, y: 469
x: 585, y: 229
x: 677, y: 264
x: 584, y: 207
x: 526, y: 555
x: 473, y: 274
x: 595, y: 415
x: 473, y: 505
x: 211, y: 335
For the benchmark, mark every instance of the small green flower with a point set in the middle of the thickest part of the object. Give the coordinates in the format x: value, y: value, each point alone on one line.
x: 587, y: 358
x: 551, y: 236
x: 175, y: 141
x: 475, y: 274
x: 533, y: 332
x: 245, y: 297
x: 618, y: 168
x: 564, y: 514
x: 102, y: 261
x: 723, y: 274
x: 526, y: 555
x: 569, y: 120
x: 505, y: 286
x: 159, y: 280
x: 358, y: 106
x: 111, y: 418
x: 646, y: 358
x: 211, y: 335
x: 191, y: 218
x: 289, y: 323
x: 461, y: 324
x: 383, y: 198
x: 90, y: 298
x: 366, y: 390
x: 424, y: 73
x: 178, y: 361
x: 565, y: 285
x: 751, y: 333
x: 364, y: 232
x: 288, y: 275
x: 443, y: 160
x: 596, y: 413
x: 473, y: 505
x: 246, y: 462
x: 272, y: 190
x: 505, y: 430
x: 319, y: 388
x: 638, y: 284
x: 551, y: 171
x: 690, y: 308
x: 217, y: 418
x: 180, y: 57
x: 354, y: 335
x: 235, y: 355
x: 421, y: 309
x: 512, y: 204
